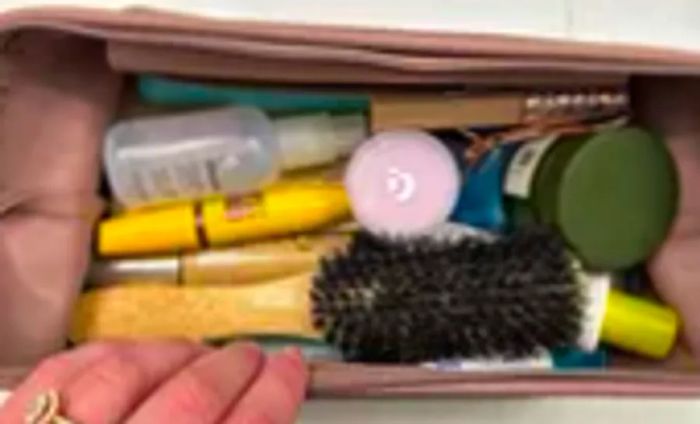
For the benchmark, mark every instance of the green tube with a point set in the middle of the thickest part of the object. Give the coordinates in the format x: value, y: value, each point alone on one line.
x: 172, y: 92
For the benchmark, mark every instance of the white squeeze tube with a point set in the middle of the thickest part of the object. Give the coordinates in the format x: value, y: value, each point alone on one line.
x: 230, y: 150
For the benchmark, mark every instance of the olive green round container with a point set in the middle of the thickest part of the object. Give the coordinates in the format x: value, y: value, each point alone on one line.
x: 612, y: 194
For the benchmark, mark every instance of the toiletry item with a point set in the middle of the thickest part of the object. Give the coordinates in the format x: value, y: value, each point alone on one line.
x: 612, y: 194
x: 562, y: 359
x: 230, y: 151
x: 480, y: 201
x: 571, y: 358
x: 282, y: 209
x: 538, y: 362
x: 462, y: 110
x: 244, y: 264
x: 173, y: 92
x: 331, y: 173
x: 404, y: 300
x: 402, y: 183
x: 312, y: 350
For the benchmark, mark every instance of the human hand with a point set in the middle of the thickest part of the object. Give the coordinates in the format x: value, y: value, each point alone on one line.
x: 167, y: 382
x: 672, y: 106
x: 675, y: 269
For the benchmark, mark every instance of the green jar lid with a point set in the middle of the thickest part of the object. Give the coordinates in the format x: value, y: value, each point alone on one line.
x: 613, y: 195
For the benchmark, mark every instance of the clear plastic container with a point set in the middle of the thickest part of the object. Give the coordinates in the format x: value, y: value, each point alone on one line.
x: 234, y: 150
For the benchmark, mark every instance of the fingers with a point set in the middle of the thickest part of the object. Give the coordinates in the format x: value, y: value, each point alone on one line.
x: 53, y: 373
x: 108, y: 391
x: 276, y: 395
x: 105, y: 382
x: 205, y: 390
x: 674, y: 271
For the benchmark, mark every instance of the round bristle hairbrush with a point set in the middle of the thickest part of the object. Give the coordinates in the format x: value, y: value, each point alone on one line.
x: 415, y: 300
x: 406, y: 300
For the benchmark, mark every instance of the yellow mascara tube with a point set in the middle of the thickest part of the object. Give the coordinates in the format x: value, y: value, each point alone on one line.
x: 282, y: 209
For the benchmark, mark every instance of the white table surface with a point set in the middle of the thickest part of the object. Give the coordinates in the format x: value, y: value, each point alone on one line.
x: 512, y: 411
x: 674, y: 23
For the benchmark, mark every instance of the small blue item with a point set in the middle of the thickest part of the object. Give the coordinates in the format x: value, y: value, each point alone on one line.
x: 172, y: 92
x: 573, y: 358
x: 481, y: 200
x: 310, y: 349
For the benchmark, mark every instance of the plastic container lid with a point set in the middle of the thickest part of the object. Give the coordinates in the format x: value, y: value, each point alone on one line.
x: 402, y: 183
x: 613, y: 195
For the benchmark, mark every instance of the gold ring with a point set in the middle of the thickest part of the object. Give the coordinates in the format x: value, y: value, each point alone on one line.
x: 45, y: 409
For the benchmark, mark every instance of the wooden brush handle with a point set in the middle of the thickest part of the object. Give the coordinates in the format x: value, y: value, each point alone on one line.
x: 260, y: 262
x: 138, y: 311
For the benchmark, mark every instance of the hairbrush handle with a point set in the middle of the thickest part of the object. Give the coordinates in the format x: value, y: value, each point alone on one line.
x: 259, y: 262
x: 280, y: 307
x: 245, y: 264
x: 632, y: 323
x: 639, y: 325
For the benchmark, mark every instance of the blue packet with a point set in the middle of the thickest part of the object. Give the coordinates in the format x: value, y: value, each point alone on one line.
x: 574, y: 358
x: 481, y: 202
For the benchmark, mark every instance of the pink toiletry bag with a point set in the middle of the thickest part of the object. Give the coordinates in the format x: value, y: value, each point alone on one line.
x: 49, y: 160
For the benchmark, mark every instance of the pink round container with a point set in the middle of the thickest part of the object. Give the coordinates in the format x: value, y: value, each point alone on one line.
x: 402, y: 183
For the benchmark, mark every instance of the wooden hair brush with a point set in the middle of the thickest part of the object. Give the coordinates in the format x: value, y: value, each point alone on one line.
x: 403, y: 301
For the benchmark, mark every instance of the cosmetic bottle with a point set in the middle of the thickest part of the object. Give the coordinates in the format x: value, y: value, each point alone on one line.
x: 232, y: 151
x: 612, y: 194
